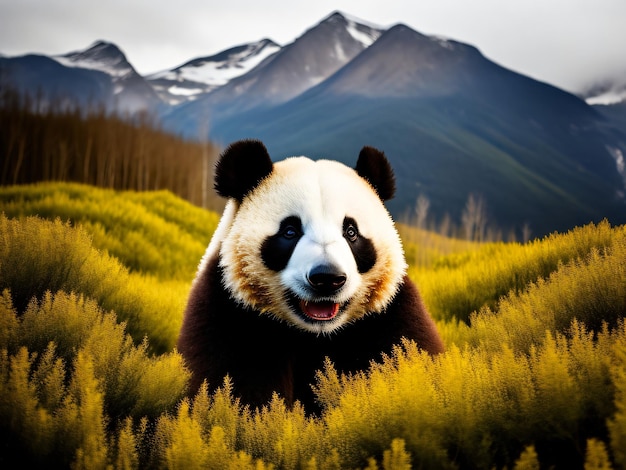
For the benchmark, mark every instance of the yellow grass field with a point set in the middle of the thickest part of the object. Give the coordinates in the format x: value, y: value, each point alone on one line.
x: 93, y: 283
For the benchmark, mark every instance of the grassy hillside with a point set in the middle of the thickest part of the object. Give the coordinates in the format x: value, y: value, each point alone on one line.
x: 92, y: 287
x: 133, y: 252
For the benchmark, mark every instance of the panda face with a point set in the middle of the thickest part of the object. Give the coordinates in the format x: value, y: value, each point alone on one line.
x: 312, y: 245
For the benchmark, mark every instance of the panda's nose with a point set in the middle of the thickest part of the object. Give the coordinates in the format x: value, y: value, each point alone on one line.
x: 326, y: 279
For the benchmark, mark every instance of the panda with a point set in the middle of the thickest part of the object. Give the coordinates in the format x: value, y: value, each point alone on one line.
x: 305, y: 264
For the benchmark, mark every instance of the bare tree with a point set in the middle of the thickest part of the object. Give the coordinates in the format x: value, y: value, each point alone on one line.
x: 421, y: 211
x: 445, y: 227
x: 474, y: 218
x: 526, y: 231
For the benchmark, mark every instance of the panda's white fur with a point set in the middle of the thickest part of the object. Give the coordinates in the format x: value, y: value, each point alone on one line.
x: 213, y: 249
x: 321, y: 193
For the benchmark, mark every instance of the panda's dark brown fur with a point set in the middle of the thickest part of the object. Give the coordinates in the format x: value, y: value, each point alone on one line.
x: 249, y: 337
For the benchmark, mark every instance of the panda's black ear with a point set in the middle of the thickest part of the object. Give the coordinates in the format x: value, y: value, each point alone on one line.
x: 241, y: 167
x: 375, y: 168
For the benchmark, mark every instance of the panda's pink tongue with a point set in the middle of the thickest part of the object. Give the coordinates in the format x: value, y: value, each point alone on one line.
x: 320, y: 310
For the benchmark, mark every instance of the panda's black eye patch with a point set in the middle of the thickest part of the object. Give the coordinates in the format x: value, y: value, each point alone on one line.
x: 277, y: 249
x: 362, y: 248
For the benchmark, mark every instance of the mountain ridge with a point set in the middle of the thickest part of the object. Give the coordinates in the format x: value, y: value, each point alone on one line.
x: 100, y: 55
x: 453, y: 119
x: 131, y: 92
x: 205, y: 74
x: 453, y: 123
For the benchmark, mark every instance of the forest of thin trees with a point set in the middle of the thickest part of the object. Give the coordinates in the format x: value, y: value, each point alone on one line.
x: 43, y: 142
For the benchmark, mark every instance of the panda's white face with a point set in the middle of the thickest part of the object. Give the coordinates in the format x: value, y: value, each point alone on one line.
x: 312, y: 245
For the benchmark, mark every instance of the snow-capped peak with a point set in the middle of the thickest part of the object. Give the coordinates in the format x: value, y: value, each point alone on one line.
x: 205, y: 74
x: 102, y: 56
x: 362, y: 31
x: 219, y: 69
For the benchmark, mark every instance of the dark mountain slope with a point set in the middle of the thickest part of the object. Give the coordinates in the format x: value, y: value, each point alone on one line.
x: 309, y: 60
x: 404, y: 62
x: 47, y: 81
x: 99, y: 76
x: 132, y: 92
x: 452, y: 123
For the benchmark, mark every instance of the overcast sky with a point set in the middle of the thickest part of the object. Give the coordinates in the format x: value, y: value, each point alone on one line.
x: 564, y: 42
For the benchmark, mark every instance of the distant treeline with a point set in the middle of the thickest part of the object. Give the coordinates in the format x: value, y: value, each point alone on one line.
x: 43, y: 142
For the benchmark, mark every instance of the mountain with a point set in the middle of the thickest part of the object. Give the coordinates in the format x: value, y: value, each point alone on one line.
x: 614, y: 112
x: 404, y: 62
x: 99, y: 76
x: 453, y: 123
x: 131, y: 91
x: 607, y: 91
x: 309, y: 60
x: 306, y: 62
x: 49, y: 82
x: 202, y: 75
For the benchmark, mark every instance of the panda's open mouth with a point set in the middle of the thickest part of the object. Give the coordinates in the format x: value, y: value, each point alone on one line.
x: 314, y: 311
x: 322, y: 311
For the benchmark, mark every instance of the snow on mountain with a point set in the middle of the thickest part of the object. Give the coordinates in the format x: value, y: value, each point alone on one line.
x: 607, y: 91
x: 309, y: 60
x: 611, y: 96
x: 266, y: 70
x: 219, y: 69
x: 204, y: 74
x: 403, y: 63
x: 102, y: 56
x: 365, y: 33
x: 132, y: 92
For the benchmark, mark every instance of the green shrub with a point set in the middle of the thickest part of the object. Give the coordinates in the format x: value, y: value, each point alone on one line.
x: 617, y: 423
x: 74, y: 376
x: 474, y: 409
x: 154, y: 233
x: 462, y: 283
x: 37, y: 256
x: 591, y: 290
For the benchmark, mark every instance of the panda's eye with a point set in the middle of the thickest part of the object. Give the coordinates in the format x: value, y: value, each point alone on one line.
x: 290, y: 229
x: 351, y: 233
x: 290, y: 232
